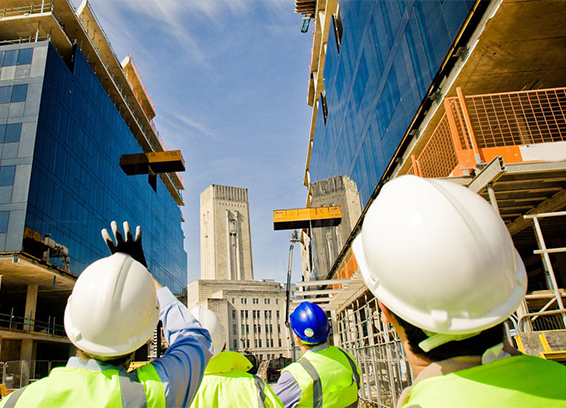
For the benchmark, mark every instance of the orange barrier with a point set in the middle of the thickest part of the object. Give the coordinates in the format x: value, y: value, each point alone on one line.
x: 478, y: 128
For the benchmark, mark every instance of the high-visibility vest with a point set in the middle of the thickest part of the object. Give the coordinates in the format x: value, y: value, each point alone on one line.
x: 227, y: 384
x: 79, y: 387
x: 328, y: 378
x: 512, y: 382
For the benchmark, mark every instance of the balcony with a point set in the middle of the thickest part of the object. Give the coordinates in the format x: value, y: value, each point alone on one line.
x: 516, y: 126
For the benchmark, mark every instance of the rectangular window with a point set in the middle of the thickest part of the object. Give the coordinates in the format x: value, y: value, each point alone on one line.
x: 234, y: 330
x: 246, y: 314
x: 247, y: 328
x: 255, y: 342
x: 265, y: 314
x: 255, y: 328
x: 270, y: 314
x: 19, y: 93
x: 271, y: 342
x: 233, y: 314
x: 7, y: 174
x: 235, y: 343
x: 10, y: 58
x: 25, y: 56
x: 279, y: 342
x: 4, y: 217
x: 276, y: 301
x: 267, y: 301
x: 260, y: 342
x: 248, y: 343
x: 13, y: 131
x: 253, y: 314
x: 259, y: 328
x: 278, y: 314
x: 278, y: 328
x: 5, y: 94
x: 241, y: 314
x: 242, y: 301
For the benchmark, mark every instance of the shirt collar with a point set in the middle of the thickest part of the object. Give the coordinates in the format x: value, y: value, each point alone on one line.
x: 317, y: 348
x: 90, y: 364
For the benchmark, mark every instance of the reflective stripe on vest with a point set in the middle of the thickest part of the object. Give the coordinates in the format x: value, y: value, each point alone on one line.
x: 353, y: 367
x: 132, y: 391
x: 260, y: 387
x: 11, y: 403
x: 138, y: 389
x: 337, y: 384
x: 316, y: 385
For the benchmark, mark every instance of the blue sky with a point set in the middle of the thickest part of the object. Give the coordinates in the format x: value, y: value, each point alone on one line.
x: 229, y: 80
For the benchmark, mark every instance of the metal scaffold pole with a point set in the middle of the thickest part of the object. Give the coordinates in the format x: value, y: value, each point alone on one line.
x: 294, y: 238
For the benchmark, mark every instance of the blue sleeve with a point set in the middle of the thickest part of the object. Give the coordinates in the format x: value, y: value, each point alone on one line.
x: 288, y: 390
x: 182, y: 367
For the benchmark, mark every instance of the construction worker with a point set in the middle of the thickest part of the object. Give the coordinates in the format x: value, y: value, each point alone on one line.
x: 226, y: 382
x: 325, y: 376
x: 443, y: 267
x: 113, y: 310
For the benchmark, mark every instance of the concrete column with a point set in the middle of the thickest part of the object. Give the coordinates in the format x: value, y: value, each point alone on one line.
x: 31, y: 305
x: 26, y: 357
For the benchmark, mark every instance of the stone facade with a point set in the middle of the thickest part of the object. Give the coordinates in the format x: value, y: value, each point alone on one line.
x: 225, y: 237
x: 327, y: 242
x: 252, y: 313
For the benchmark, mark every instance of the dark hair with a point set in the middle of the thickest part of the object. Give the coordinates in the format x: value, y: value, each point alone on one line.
x: 308, y: 346
x: 113, y: 361
x: 474, y: 346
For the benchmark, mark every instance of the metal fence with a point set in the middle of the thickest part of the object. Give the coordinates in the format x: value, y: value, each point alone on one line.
x: 16, y: 374
x: 378, y: 351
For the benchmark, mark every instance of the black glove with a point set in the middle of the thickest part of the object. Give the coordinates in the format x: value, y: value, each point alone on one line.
x: 130, y: 246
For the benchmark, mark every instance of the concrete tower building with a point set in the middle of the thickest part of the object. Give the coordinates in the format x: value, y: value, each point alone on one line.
x: 328, y: 241
x: 252, y: 312
x: 225, y: 238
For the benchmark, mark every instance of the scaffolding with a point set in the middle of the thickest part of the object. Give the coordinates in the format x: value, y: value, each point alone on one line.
x: 378, y: 351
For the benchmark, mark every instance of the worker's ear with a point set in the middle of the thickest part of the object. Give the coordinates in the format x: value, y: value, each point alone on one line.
x: 386, y: 314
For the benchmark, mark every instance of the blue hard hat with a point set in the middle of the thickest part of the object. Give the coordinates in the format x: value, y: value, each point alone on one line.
x: 309, y: 322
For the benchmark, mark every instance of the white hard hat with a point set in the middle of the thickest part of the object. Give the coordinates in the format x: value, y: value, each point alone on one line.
x: 113, y: 309
x: 208, y: 319
x: 440, y: 257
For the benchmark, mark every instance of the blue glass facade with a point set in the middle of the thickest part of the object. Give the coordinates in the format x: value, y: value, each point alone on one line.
x: 60, y: 176
x: 389, y: 53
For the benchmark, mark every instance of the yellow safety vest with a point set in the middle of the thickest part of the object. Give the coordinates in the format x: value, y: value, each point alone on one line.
x: 227, y: 384
x: 79, y: 387
x: 513, y: 382
x: 328, y: 378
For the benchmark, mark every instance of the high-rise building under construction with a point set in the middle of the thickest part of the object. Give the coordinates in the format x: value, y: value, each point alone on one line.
x: 464, y: 90
x: 69, y: 109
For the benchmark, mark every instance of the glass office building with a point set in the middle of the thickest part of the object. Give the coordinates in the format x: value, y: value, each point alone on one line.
x: 60, y: 176
x: 69, y: 110
x: 381, y: 58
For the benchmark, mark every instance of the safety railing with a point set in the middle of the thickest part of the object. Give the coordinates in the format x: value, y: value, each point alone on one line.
x: 26, y: 10
x: 552, y: 315
x: 477, y: 128
x: 19, y: 373
x: 541, y: 321
x: 378, y: 351
x: 11, y: 322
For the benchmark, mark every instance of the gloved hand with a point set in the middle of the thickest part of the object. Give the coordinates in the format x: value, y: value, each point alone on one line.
x: 130, y: 246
